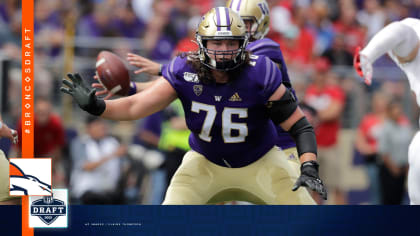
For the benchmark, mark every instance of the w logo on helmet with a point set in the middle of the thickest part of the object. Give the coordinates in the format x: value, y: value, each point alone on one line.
x: 30, y: 177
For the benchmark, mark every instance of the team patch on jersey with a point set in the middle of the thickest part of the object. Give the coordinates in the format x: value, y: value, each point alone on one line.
x: 49, y: 211
x: 235, y: 98
x: 30, y: 176
x: 198, y: 89
x: 191, y: 77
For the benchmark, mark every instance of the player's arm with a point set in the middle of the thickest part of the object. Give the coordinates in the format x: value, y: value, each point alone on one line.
x: 140, y: 105
x: 284, y: 111
x: 396, y: 37
x: 153, y: 99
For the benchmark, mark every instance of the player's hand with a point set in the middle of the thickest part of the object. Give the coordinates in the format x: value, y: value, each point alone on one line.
x: 309, y: 178
x: 109, y: 94
x: 83, y: 95
x: 362, y: 66
x: 145, y: 65
x: 101, y: 90
x: 9, y: 133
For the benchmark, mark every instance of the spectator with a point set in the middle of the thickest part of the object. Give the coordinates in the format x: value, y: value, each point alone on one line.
x: 393, y: 147
x: 188, y: 43
x: 96, y: 170
x: 368, y: 133
x: 348, y: 26
x: 127, y: 24
x: 49, y: 137
x: 321, y: 27
x: 297, y: 40
x: 337, y: 54
x: 328, y: 100
x: 372, y: 17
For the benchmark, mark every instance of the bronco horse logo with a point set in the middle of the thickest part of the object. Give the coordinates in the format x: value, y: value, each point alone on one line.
x: 23, y: 184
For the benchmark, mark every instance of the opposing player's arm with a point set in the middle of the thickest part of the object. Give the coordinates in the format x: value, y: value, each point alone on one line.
x: 397, y: 38
x: 140, y: 105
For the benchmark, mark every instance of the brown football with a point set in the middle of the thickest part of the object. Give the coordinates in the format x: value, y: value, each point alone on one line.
x: 112, y: 73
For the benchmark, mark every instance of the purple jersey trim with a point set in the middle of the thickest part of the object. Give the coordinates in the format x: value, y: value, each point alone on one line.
x: 167, y: 72
x: 267, y: 69
x: 273, y: 75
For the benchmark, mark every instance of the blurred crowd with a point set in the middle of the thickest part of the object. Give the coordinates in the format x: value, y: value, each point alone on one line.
x: 365, y: 131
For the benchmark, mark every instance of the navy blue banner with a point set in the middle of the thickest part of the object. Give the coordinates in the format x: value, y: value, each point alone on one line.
x: 10, y: 220
x: 227, y: 220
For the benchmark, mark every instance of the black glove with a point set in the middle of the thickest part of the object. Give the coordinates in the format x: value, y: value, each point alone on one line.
x: 83, y: 95
x: 309, y: 178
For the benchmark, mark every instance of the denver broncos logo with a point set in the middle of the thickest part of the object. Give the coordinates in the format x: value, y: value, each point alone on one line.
x: 22, y: 184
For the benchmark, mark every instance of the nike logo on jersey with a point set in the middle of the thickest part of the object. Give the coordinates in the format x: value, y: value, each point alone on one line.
x: 235, y: 98
x: 217, y: 98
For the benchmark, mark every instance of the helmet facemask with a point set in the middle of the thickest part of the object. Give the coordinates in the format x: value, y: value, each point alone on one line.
x: 222, y: 23
x: 223, y: 60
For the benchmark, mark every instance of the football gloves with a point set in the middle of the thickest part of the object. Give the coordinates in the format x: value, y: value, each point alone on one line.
x: 309, y: 178
x: 83, y: 95
x: 362, y: 66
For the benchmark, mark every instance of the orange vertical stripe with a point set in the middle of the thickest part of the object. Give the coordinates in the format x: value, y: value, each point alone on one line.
x: 27, y: 98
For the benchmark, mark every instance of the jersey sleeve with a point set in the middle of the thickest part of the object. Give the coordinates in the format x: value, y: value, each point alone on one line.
x: 172, y: 71
x: 268, y: 48
x: 271, y: 49
x: 270, y: 79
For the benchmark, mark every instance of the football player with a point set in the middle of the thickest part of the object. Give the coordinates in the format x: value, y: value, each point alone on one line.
x: 401, y: 40
x: 231, y: 101
x: 6, y: 132
x: 256, y: 16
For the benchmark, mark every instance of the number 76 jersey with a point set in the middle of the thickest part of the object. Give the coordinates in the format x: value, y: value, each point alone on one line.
x: 229, y: 122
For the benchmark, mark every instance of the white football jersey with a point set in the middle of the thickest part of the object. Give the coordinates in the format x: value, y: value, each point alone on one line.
x: 411, y: 69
